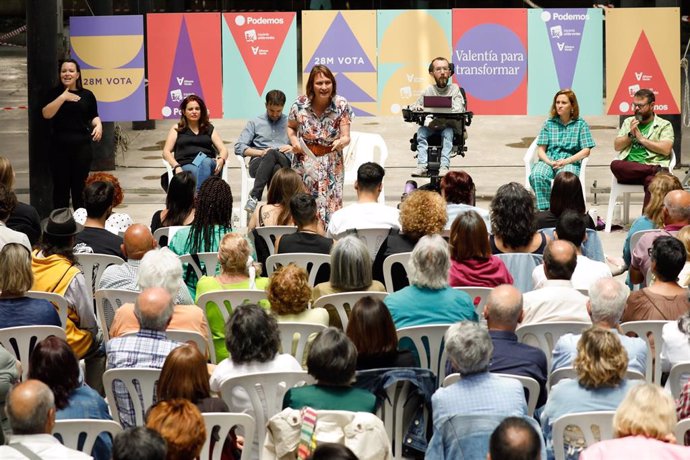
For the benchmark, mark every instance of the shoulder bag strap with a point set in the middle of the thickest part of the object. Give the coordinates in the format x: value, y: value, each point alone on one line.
x: 22, y: 449
x: 663, y: 315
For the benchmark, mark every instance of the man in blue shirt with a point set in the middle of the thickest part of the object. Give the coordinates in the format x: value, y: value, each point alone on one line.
x: 265, y: 141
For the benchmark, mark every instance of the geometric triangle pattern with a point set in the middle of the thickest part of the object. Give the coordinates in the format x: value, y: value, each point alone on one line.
x: 565, y: 37
x: 342, y: 49
x: 184, y: 78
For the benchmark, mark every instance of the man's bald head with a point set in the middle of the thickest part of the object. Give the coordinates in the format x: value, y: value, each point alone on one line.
x: 154, y: 308
x: 503, y: 310
x: 30, y: 408
x: 514, y: 439
x: 560, y: 260
x: 138, y: 241
x: 677, y: 207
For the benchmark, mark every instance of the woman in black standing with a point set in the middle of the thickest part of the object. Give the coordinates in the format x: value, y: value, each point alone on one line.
x: 75, y: 123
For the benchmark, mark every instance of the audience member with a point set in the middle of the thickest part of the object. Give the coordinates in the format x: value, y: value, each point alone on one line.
x: 284, y: 185
x: 31, y: 409
x: 371, y: 330
x: 515, y: 439
x: 8, y: 202
x: 148, y: 348
x: 566, y: 195
x: 429, y: 299
x: 458, y: 189
x: 572, y: 227
x: 332, y: 362
x: 94, y: 238
x: 137, y: 443
x: 684, y: 275
x: 24, y: 218
x: 309, y: 235
x: 643, y: 427
x: 471, y: 261
x: 556, y: 299
x: 289, y: 295
x: 237, y: 272
x: 181, y: 425
x: 10, y: 372
x: 332, y: 451
x: 605, y: 306
x: 600, y: 364
x: 664, y: 300
x: 179, y: 203
x: 676, y: 343
x: 367, y: 212
x: 116, y: 222
x: 54, y: 363
x: 512, y: 221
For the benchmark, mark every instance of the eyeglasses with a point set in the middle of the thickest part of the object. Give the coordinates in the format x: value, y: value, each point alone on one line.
x: 639, y: 106
x: 649, y: 251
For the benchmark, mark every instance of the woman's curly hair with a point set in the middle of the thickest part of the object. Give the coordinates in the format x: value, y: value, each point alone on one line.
x: 601, y: 360
x: 423, y: 213
x: 289, y: 291
x: 118, y: 196
x: 251, y: 334
x: 512, y: 215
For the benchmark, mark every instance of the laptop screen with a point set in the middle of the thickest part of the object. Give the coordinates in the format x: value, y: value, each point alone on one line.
x: 438, y: 102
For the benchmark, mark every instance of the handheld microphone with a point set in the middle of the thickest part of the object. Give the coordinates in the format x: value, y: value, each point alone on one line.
x: 638, y: 116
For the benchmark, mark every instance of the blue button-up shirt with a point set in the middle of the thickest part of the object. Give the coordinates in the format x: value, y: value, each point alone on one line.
x: 262, y: 133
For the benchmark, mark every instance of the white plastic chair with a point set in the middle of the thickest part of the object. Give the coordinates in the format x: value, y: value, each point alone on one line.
x: 429, y: 342
x: 545, y: 335
x: 266, y: 391
x: 225, y: 421
x: 401, y: 258
x: 361, y: 149
x: 167, y: 232
x: 681, y: 428
x: 209, y: 259
x: 69, y: 431
x: 642, y: 329
x: 564, y: 373
x: 343, y: 302
x: 585, y: 421
x: 678, y: 377
x: 93, y: 266
x: 625, y: 190
x: 147, y: 379
x: 57, y: 300
x: 520, y: 266
x: 372, y: 237
x: 271, y: 233
x: 299, y: 332
x: 189, y: 336
x: 246, y: 184
x: 309, y: 261
x: 532, y: 157
x: 479, y: 297
x: 392, y: 413
x: 21, y: 340
x: 115, y: 298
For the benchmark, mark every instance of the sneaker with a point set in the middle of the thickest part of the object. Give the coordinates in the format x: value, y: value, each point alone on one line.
x: 443, y: 171
x: 420, y: 171
x: 251, y: 205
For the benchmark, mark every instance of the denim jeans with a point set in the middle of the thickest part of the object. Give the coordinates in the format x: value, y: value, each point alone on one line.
x: 423, y: 134
x: 201, y: 173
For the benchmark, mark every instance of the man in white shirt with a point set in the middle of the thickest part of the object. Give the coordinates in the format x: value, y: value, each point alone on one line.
x: 367, y: 212
x: 31, y: 411
x: 573, y: 227
x: 557, y: 299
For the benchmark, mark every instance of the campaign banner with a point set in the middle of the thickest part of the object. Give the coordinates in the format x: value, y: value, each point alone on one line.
x: 644, y: 54
x: 404, y: 58
x: 184, y: 57
x: 110, y: 53
x: 259, y: 54
x: 490, y: 57
x: 565, y: 52
x: 345, y: 42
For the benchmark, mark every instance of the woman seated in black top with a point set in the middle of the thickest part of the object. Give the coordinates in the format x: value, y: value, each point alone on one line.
x: 179, y: 203
x: 309, y: 235
x: 566, y: 193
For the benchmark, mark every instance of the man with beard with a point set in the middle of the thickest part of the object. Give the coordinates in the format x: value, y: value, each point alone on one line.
x: 441, y: 70
x: 645, y: 143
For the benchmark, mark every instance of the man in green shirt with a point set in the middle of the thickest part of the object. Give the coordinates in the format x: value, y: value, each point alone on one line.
x: 645, y: 143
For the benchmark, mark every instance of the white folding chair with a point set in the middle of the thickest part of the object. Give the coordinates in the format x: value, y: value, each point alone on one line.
x: 479, y: 297
x: 57, y: 300
x: 681, y: 428
x: 107, y: 303
x: 266, y: 391
x: 361, y: 149
x: 392, y: 413
x: 168, y: 233
x: 309, y: 261
x: 545, y: 335
x: 68, y: 432
x: 678, y: 377
x: 618, y: 189
x: 585, y: 421
x: 372, y: 237
x: 21, y: 340
x: 225, y: 421
x: 564, y: 373
x: 142, y: 399
x: 520, y: 266
x: 642, y: 329
x: 208, y: 259
x: 271, y: 233
x: 343, y: 302
x: 294, y: 337
x: 429, y: 343
x: 93, y: 266
x: 389, y: 262
x: 189, y: 336
x: 246, y: 184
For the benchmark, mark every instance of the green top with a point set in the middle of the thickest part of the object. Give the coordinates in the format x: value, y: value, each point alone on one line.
x: 660, y: 129
x: 638, y: 153
x: 326, y: 397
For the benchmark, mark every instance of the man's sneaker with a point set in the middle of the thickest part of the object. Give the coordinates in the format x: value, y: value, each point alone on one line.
x: 420, y: 171
x: 443, y: 171
x: 251, y: 205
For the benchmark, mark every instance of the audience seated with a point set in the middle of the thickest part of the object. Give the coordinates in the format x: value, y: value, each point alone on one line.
x: 54, y: 363
x: 309, y: 235
x: 179, y: 203
x: 664, y: 299
x: 161, y: 268
x: 512, y: 221
x: 422, y: 213
x: 182, y: 426
x: 600, y: 364
x: 116, y: 222
x: 643, y: 427
x: 566, y: 195
x: 515, y: 439
x: 556, y: 299
x: 676, y: 342
x: 10, y: 372
x: 8, y: 202
x: 429, y: 299
x: 289, y: 295
x: 94, y: 238
x: 572, y: 227
x: 332, y: 361
x: 373, y: 333
x: 24, y: 218
x: 607, y: 298
x: 137, y: 443
x: 471, y: 261
x: 458, y: 189
x: 366, y: 212
x: 284, y: 185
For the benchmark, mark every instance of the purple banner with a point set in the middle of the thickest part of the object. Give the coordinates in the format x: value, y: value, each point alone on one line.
x: 565, y: 34
x: 184, y: 79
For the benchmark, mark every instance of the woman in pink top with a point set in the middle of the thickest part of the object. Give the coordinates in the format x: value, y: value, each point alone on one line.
x: 471, y: 261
